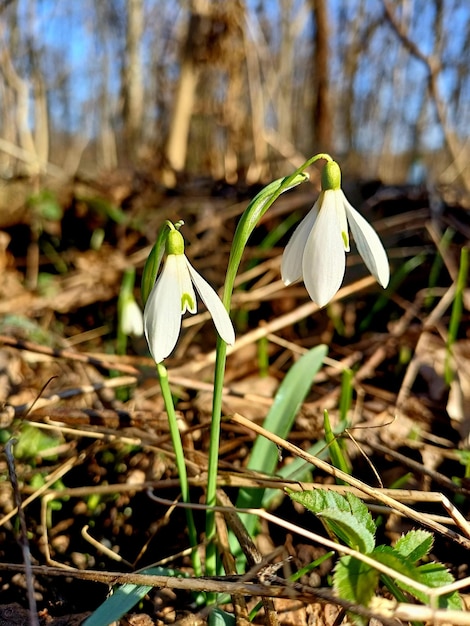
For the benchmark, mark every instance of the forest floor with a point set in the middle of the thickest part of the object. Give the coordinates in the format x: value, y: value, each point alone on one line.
x: 92, y: 438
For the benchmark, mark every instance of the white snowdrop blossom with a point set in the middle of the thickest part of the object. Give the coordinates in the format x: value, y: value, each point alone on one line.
x: 132, y: 322
x: 316, y: 250
x: 173, y: 295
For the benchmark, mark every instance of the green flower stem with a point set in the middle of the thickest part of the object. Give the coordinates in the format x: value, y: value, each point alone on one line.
x: 250, y: 218
x: 180, y: 463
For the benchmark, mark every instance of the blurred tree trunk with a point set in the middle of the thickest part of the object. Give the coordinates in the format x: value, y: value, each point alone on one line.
x: 21, y: 89
x: 177, y: 143
x: 133, y: 87
x: 322, y: 114
x: 106, y: 147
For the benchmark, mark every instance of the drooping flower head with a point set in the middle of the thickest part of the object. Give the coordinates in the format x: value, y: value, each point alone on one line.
x: 316, y: 250
x: 131, y: 321
x: 173, y: 294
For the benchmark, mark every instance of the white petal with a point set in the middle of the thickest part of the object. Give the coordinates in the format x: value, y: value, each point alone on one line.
x: 324, y: 259
x: 340, y: 204
x: 214, y: 306
x: 291, y: 264
x: 162, y: 313
x: 369, y: 246
x: 132, y: 322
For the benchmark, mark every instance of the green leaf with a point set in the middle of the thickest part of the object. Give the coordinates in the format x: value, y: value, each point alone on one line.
x: 33, y: 441
x: 218, y: 617
x: 289, y: 397
x: 437, y: 575
x: 124, y: 599
x: 355, y: 581
x: 337, y: 456
x: 152, y: 264
x: 431, y: 574
x: 415, y: 545
x: 392, y: 559
x: 46, y: 205
x: 349, y: 530
x: 347, y: 517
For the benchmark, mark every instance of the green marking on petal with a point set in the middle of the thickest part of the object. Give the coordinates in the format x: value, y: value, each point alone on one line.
x: 345, y: 237
x: 187, y: 303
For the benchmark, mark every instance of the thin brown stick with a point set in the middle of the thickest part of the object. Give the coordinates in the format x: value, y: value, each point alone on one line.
x: 350, y: 480
x: 67, y: 354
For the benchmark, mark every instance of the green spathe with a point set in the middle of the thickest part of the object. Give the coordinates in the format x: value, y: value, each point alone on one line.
x: 331, y: 176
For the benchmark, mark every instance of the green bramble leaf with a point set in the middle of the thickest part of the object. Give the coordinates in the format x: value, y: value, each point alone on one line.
x: 347, y: 517
x: 415, y: 545
x: 433, y: 575
x: 355, y: 581
x: 437, y: 575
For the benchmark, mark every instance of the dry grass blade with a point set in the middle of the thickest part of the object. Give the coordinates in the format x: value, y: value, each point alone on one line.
x: 370, y: 491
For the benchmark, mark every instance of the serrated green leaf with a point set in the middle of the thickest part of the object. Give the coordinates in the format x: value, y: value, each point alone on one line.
x: 124, y: 599
x: 433, y: 575
x: 347, y: 517
x: 360, y: 510
x: 437, y: 575
x: 415, y: 545
x: 349, y: 529
x: 317, y: 500
x: 395, y: 561
x: 355, y: 581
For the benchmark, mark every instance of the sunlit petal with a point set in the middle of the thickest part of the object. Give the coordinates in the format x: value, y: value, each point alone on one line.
x: 291, y: 264
x: 324, y: 261
x: 369, y: 246
x: 214, y: 305
x: 339, y: 199
x: 162, y: 313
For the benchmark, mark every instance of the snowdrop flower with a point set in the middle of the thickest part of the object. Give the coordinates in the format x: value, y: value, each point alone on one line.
x: 132, y: 321
x: 316, y: 250
x: 173, y: 295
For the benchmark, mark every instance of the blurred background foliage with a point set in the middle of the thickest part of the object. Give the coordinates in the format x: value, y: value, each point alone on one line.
x: 238, y: 91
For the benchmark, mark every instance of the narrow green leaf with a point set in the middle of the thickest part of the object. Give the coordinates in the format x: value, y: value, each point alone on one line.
x: 456, y: 314
x: 219, y: 617
x: 345, y: 399
x: 337, y: 456
x: 152, y: 264
x: 289, y: 397
x: 124, y: 599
